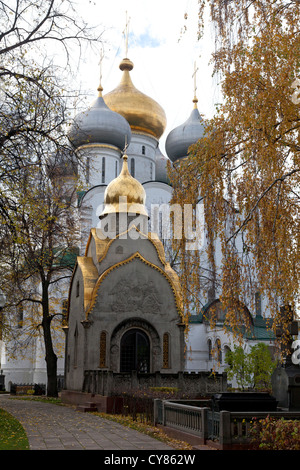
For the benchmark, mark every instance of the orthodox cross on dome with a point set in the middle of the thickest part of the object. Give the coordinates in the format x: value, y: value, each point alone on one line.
x: 125, y: 148
x: 195, y: 100
x: 100, y: 89
x: 126, y: 33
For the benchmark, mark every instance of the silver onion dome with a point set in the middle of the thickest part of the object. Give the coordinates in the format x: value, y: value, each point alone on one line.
x: 182, y: 137
x: 99, y: 124
x: 161, y: 171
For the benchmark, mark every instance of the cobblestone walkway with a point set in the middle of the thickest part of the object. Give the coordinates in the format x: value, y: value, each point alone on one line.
x: 53, y: 427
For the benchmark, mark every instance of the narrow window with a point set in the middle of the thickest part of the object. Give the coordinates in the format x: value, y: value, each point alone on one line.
x: 226, y: 351
x: 116, y: 169
x: 143, y: 150
x: 160, y: 221
x: 75, y: 346
x: 20, y: 314
x: 132, y: 167
x: 77, y: 289
x: 87, y: 170
x: 64, y: 311
x: 209, y: 350
x: 257, y: 303
x: 103, y: 349
x: 219, y: 351
x: 103, y: 170
x: 151, y: 171
x: 166, y: 348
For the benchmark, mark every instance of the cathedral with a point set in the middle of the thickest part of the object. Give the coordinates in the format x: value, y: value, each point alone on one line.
x: 124, y: 300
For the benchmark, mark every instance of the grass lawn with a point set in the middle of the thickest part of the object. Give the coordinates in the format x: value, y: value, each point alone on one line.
x: 12, y: 434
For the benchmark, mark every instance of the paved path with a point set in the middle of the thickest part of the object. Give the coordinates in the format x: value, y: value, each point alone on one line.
x: 53, y: 427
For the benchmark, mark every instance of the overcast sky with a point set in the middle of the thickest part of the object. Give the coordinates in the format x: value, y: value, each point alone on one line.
x: 162, y: 51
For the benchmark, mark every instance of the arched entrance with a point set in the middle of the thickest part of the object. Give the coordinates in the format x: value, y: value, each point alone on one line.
x: 135, y: 351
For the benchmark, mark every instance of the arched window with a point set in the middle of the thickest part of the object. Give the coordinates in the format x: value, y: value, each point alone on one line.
x: 258, y: 303
x: 102, y: 349
x: 218, y: 351
x: 64, y: 311
x: 209, y: 350
x: 226, y: 351
x: 135, y: 351
x: 166, y: 352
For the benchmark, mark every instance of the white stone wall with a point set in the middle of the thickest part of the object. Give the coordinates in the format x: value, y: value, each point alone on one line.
x: 142, y: 149
x: 100, y: 164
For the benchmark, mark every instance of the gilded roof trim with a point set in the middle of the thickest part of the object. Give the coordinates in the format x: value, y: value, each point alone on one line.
x: 101, y: 244
x: 94, y: 145
x: 105, y: 244
x: 90, y: 276
x: 92, y: 281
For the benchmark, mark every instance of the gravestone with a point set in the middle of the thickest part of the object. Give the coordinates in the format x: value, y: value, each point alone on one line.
x: 286, y: 377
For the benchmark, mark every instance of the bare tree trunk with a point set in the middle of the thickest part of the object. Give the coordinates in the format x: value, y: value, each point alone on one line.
x: 51, y: 358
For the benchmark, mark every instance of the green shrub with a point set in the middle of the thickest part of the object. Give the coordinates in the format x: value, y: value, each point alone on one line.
x: 275, y: 434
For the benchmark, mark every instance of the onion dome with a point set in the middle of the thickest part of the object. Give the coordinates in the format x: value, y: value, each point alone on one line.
x: 161, y: 171
x: 99, y: 124
x: 143, y: 113
x: 124, y: 194
x: 182, y: 137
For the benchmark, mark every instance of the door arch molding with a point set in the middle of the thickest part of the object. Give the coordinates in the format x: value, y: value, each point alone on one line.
x: 148, y: 329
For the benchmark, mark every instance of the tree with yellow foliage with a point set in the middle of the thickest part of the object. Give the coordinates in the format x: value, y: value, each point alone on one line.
x: 246, y: 169
x: 38, y: 253
x: 38, y: 42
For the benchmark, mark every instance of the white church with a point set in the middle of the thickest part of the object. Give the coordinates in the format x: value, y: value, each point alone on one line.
x: 127, y: 118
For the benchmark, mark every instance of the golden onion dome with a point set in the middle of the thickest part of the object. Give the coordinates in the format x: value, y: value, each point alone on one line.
x: 124, y: 194
x: 143, y: 113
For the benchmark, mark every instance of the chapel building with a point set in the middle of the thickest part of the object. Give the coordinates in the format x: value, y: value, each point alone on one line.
x: 125, y: 300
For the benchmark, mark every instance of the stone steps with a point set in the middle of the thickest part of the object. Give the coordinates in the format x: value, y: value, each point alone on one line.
x: 87, y: 407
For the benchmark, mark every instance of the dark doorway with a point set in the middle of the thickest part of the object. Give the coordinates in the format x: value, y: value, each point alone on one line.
x: 135, y: 351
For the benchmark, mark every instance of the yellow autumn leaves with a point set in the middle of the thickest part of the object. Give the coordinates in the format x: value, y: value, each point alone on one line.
x: 246, y: 168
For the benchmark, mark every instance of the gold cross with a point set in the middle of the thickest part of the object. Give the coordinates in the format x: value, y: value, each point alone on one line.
x: 126, y: 34
x: 195, y: 100
x: 100, y: 64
